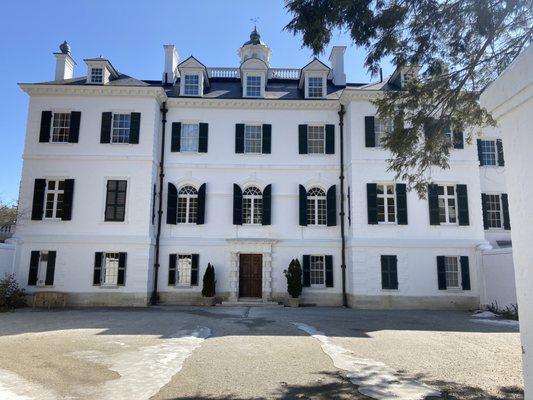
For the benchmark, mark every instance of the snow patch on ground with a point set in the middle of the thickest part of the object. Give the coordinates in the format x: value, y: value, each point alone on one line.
x: 373, y: 378
x: 144, y: 370
x: 488, y: 317
x: 15, y: 387
x: 484, y: 314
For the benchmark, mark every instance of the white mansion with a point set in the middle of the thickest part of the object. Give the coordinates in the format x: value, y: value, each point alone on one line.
x: 131, y: 187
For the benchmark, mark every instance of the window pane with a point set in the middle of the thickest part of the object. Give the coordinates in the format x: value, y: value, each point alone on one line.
x: 252, y: 206
x: 97, y: 75
x: 120, y: 132
x: 315, y: 139
x: 381, y: 128
x: 61, y: 127
x: 315, y: 86
x: 253, y: 86
x: 494, y: 211
x: 183, y: 270
x: 189, y: 137
x: 452, y: 272
x: 488, y: 152
x: 111, y: 269
x: 54, y: 199
x: 316, y: 267
x: 253, y: 142
x: 115, y: 200
x: 191, y: 85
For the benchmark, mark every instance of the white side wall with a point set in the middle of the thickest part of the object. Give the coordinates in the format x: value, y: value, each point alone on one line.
x: 7, y: 253
x: 498, y: 278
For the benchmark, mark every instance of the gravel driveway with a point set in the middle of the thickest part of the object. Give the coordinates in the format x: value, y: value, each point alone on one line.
x: 255, y: 353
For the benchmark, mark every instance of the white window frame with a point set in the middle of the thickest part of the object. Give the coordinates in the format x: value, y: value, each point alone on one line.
x: 256, y: 203
x: 457, y: 261
x: 187, y: 86
x: 500, y: 212
x: 189, y: 199
x: 322, y: 86
x: 387, y: 198
x: 483, y: 153
x: 114, y: 257
x: 313, y: 259
x: 113, y: 137
x: 381, y: 128
x: 183, y: 268
x: 100, y: 77
x: 317, y: 141
x: 247, y: 140
x: 317, y: 201
x: 56, y: 192
x: 446, y: 197
x: 247, y: 86
x: 53, y: 127
x: 183, y: 138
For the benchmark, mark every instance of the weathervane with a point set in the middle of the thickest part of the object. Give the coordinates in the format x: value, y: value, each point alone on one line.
x: 255, y: 21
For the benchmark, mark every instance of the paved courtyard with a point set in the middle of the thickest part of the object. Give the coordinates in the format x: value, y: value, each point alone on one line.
x: 255, y: 353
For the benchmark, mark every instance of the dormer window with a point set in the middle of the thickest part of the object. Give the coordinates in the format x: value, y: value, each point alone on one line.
x: 192, y: 85
x: 97, y: 75
x: 315, y: 88
x: 253, y: 86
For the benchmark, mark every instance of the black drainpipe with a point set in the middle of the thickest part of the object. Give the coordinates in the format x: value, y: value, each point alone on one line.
x: 342, y: 111
x: 155, y: 297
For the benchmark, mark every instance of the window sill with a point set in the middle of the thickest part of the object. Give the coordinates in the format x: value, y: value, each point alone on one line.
x: 315, y: 226
x: 108, y: 286
x: 387, y: 224
x: 180, y: 287
x: 62, y: 143
x: 390, y: 290
x: 52, y: 220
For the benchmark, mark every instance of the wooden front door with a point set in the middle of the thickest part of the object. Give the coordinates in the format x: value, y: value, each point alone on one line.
x: 250, y: 275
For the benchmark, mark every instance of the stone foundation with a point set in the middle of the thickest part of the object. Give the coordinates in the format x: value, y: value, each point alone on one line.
x: 414, y: 303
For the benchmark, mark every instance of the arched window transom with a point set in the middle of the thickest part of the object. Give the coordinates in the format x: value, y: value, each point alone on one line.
x: 252, y: 206
x: 187, y: 205
x: 316, y: 207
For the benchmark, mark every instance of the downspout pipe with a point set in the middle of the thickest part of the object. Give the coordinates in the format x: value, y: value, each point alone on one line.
x: 342, y: 111
x: 155, y: 296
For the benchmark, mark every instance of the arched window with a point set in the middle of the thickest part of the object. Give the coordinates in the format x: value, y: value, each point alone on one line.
x: 252, y: 206
x: 187, y: 205
x: 316, y: 207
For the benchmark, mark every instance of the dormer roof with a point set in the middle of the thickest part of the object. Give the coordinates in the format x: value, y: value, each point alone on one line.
x: 193, y: 64
x: 316, y: 66
x: 104, y: 62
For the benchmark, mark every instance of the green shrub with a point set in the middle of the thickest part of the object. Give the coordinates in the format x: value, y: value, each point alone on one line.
x: 294, y: 279
x: 11, y: 295
x: 209, y: 282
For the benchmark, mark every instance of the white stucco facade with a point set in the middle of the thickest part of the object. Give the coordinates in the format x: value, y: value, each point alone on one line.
x: 510, y: 100
x: 284, y: 105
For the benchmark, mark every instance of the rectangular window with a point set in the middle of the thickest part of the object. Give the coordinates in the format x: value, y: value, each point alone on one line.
x: 253, y: 139
x: 110, y: 273
x: 120, y: 132
x: 316, y: 139
x: 253, y: 86
x: 183, y: 270
x: 60, y: 128
x: 494, y: 210
x: 97, y: 75
x: 381, y: 129
x: 386, y: 197
x: 447, y: 204
x: 315, y: 87
x: 488, y: 152
x: 55, y: 192
x: 389, y: 272
x: 189, y: 137
x: 191, y: 85
x: 451, y: 265
x: 115, y: 205
x: 317, y: 270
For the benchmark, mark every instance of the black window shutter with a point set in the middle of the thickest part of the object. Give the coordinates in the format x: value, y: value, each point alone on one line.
x: 74, y: 131
x: 34, y: 268
x: 401, y: 203
x: 465, y: 273
x: 329, y: 271
x: 441, y: 272
x: 267, y: 139
x: 239, y: 138
x: 50, y: 268
x: 194, y: 269
x: 97, y: 268
x: 331, y: 206
x: 200, y: 212
x: 121, y: 269
x: 479, y: 154
x: 68, y: 198
x: 458, y: 140
x: 175, y: 139
x: 484, y: 201
x: 172, y: 204
x: 306, y: 271
x: 38, y: 199
x: 393, y: 265
x: 330, y: 139
x: 302, y: 139
x: 499, y: 148
x: 303, y: 205
x: 372, y: 203
x: 433, y: 203
x: 135, y: 127
x: 389, y: 272
x: 46, y: 124
x: 462, y: 205
x: 266, y: 218
x: 370, y: 132
x: 237, y: 205
x: 105, y: 129
x: 505, y: 209
x: 172, y: 269
x: 203, y: 137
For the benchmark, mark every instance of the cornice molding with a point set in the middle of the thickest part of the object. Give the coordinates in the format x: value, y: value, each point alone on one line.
x: 254, y: 104
x: 355, y: 94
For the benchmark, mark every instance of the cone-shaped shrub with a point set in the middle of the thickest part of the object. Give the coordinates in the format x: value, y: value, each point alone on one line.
x: 209, y: 282
x: 294, y: 279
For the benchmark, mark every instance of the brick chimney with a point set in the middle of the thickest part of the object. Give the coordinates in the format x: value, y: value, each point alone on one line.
x: 64, y: 63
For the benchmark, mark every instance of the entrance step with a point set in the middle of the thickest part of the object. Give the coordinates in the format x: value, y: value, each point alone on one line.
x: 250, y: 303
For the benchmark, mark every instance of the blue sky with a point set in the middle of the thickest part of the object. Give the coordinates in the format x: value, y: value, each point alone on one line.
x: 131, y: 34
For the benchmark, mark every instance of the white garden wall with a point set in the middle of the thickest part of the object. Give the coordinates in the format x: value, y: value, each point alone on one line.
x: 7, y: 252
x: 498, y: 278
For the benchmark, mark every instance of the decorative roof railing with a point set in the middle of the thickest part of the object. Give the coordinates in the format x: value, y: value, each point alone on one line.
x: 223, y: 72
x: 285, y: 73
x: 274, y: 73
